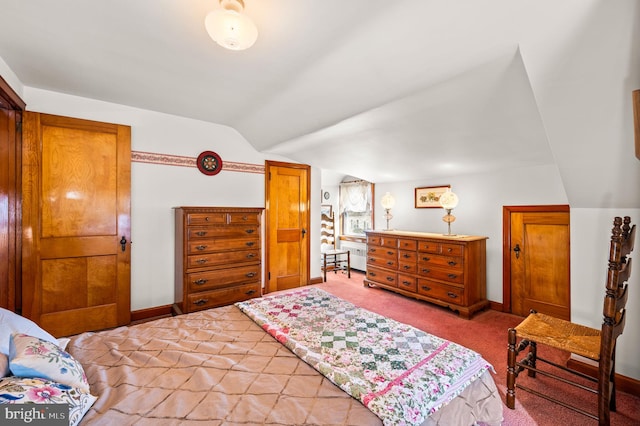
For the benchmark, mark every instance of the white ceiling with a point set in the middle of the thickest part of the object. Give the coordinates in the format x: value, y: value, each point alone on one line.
x: 387, y: 91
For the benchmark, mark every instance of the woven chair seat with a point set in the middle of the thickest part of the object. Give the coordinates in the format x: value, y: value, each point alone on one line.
x: 561, y: 334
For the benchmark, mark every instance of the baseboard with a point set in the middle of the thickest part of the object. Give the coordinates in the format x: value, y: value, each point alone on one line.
x: 316, y: 280
x: 623, y: 383
x: 495, y: 306
x: 150, y: 313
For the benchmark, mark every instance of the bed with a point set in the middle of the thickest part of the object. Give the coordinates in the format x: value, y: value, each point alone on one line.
x: 243, y: 364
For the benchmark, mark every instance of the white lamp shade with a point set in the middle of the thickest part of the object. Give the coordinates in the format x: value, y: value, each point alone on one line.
x: 231, y: 29
x: 388, y: 201
x: 449, y: 200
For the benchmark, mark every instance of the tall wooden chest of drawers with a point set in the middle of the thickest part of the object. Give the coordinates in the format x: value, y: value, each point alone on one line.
x: 218, y: 256
x: 446, y: 270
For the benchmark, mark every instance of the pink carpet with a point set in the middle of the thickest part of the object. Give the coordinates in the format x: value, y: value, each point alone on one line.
x: 485, y: 333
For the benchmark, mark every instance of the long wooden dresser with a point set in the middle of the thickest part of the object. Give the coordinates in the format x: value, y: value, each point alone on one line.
x: 218, y: 256
x: 446, y: 270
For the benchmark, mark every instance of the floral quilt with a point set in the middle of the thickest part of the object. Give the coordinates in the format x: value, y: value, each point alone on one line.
x: 400, y: 373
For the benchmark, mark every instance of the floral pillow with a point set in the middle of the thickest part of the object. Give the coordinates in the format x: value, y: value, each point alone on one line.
x: 4, y: 365
x: 30, y: 356
x: 20, y: 390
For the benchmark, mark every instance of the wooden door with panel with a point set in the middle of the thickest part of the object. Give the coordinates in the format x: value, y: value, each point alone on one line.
x: 539, y: 258
x: 287, y: 217
x: 76, y: 223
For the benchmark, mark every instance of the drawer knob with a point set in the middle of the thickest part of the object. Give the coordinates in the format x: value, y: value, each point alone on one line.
x: 406, y: 267
x: 426, y: 259
x: 201, y: 247
x: 406, y: 283
x: 389, y: 263
x: 389, y: 252
x: 250, y: 243
x: 206, y: 219
x: 245, y: 218
x: 250, y: 231
x: 200, y: 302
x: 201, y: 233
x: 406, y: 256
x: 426, y: 271
x: 372, y: 250
x: 250, y: 292
x: 449, y: 250
x: 251, y: 274
x: 425, y: 288
x: 452, y: 276
x: 201, y: 281
x: 373, y: 274
x: 452, y: 263
x: 452, y: 295
x: 201, y: 261
x: 390, y: 279
x: 251, y: 255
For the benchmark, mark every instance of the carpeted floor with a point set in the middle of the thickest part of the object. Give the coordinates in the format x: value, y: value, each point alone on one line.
x: 485, y: 333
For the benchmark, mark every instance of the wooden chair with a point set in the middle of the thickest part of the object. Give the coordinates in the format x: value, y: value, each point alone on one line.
x: 597, y: 345
x: 332, y: 259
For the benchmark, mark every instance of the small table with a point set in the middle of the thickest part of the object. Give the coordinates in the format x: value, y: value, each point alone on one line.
x: 336, y: 260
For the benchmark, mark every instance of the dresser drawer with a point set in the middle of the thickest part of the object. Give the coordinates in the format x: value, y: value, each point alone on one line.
x: 206, y: 218
x: 373, y: 241
x: 407, y: 282
x: 438, y: 260
x: 383, y: 252
x: 248, y: 218
x: 408, y: 268
x: 441, y: 248
x: 407, y: 244
x: 452, y: 249
x: 213, y: 245
x: 195, y: 233
x: 441, y: 291
x: 389, y: 242
x: 222, y: 297
x: 407, y: 256
x: 201, y: 281
x: 223, y: 258
x: 450, y: 275
x: 382, y: 262
x: 381, y: 276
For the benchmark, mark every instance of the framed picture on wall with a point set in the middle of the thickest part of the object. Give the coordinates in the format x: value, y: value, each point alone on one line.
x: 428, y: 197
x: 326, y: 209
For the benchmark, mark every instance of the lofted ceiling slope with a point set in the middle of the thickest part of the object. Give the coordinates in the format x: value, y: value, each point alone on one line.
x: 387, y: 91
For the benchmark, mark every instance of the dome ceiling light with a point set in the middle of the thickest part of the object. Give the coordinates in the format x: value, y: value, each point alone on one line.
x: 229, y: 27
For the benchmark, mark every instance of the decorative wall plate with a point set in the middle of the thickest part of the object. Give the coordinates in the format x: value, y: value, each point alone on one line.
x: 209, y: 163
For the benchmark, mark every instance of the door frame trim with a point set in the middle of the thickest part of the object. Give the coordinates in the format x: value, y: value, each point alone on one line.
x: 268, y: 164
x: 506, y: 243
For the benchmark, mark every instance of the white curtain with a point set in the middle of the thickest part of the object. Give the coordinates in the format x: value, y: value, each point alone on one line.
x: 355, y: 197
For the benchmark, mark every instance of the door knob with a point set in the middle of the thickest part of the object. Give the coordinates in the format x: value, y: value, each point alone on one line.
x: 123, y: 243
x: 517, y: 250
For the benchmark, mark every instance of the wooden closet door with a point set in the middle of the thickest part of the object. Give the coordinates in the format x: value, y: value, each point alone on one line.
x: 76, y: 212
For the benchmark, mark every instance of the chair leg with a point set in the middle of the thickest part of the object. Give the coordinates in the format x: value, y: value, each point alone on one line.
x: 532, y: 358
x: 511, y: 369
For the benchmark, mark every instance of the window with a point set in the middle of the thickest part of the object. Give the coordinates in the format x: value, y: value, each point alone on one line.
x: 356, y: 207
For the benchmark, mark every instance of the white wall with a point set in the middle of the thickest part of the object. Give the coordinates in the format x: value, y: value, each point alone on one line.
x: 156, y: 189
x: 480, y: 213
x: 11, y: 79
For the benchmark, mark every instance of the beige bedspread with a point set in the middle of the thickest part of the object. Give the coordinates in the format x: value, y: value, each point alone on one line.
x: 217, y: 367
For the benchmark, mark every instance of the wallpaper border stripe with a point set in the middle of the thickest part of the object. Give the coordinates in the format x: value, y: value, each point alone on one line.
x: 182, y: 161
